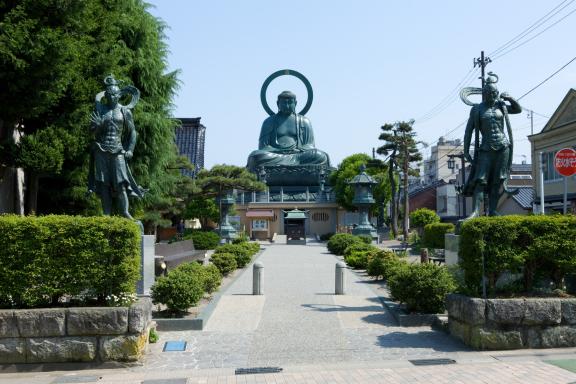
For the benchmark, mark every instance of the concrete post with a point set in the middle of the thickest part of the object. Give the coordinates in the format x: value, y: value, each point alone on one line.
x: 340, y: 288
x: 257, y: 272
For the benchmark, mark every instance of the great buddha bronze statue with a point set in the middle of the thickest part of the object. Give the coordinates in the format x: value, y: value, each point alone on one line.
x: 286, y: 149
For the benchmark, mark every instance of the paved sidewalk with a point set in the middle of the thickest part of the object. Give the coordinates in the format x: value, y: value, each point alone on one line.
x: 315, y: 336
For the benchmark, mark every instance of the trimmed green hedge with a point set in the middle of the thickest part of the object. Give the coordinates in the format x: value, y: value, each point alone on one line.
x: 340, y: 241
x: 434, y: 235
x: 45, y: 258
x: 537, y: 246
x: 242, y: 253
x: 422, y: 287
x: 384, y: 264
x: 203, y: 240
x: 181, y: 289
x: 225, y: 262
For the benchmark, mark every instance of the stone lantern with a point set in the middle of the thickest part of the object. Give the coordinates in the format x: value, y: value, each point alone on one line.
x: 363, y: 199
x: 227, y: 231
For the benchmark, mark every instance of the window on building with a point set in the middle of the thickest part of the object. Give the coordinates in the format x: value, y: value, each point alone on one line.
x: 550, y: 173
x: 259, y: 225
x: 520, y: 177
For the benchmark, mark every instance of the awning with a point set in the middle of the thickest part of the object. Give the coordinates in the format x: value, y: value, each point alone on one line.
x: 260, y: 213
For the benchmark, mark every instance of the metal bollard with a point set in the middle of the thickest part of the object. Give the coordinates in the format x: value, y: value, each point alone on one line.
x: 257, y: 271
x: 340, y: 267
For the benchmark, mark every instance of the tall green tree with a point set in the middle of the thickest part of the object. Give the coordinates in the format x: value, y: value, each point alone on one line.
x: 350, y: 167
x: 222, y: 178
x: 54, y: 55
x: 400, y: 148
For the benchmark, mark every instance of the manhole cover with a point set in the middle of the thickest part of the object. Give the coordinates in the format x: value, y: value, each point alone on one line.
x: 433, y: 361
x: 174, y: 346
x: 251, y: 371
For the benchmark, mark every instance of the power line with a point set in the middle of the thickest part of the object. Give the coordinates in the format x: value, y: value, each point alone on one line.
x: 548, y: 78
x: 531, y: 27
x: 535, y: 36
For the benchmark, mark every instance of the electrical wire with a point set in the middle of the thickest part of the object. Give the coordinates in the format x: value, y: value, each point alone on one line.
x: 531, y: 27
x: 548, y: 78
x: 533, y: 37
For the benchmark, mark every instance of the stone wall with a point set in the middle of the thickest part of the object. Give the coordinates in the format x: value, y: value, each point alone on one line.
x: 512, y: 323
x: 83, y: 334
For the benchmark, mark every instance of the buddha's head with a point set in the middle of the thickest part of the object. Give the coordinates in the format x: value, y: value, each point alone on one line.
x: 286, y: 102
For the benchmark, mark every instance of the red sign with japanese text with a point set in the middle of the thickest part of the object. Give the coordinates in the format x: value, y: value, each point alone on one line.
x: 565, y: 162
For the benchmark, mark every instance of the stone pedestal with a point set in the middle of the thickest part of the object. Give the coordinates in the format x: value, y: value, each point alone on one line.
x: 146, y: 265
x: 451, y: 248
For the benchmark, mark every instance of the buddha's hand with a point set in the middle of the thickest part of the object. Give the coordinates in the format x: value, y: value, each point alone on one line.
x: 128, y: 155
x: 505, y: 96
x: 95, y: 119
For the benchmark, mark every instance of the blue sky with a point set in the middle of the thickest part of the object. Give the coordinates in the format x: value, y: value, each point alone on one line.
x: 370, y: 62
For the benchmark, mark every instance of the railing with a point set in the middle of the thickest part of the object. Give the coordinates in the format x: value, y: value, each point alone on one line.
x: 285, y: 196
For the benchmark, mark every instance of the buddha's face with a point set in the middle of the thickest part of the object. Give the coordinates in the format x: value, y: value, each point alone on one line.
x: 286, y: 105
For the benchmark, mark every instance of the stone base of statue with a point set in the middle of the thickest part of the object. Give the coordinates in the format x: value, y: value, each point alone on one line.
x: 365, y: 229
x: 300, y: 175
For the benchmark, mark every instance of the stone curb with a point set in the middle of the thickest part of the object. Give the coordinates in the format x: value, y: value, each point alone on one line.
x: 198, y: 323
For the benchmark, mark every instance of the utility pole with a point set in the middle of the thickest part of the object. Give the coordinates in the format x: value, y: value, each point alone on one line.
x: 482, y: 62
x: 531, y: 117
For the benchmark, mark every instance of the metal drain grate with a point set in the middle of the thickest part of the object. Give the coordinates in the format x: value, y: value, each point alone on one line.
x: 75, y: 379
x: 251, y: 371
x: 433, y: 361
x: 174, y: 346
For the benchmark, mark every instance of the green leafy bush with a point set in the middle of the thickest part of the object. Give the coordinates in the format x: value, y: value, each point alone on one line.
x: 434, y: 235
x: 358, y: 259
x: 422, y: 287
x: 179, y: 290
x: 340, y: 241
x: 537, y: 246
x: 204, y: 240
x: 367, y: 239
x: 43, y: 259
x: 210, y: 275
x: 359, y: 246
x: 225, y: 262
x: 251, y: 247
x: 242, y: 238
x: 383, y: 264
x: 422, y: 217
x: 243, y: 254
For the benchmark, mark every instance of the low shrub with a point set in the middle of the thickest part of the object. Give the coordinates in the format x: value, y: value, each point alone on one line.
x: 367, y: 239
x: 242, y: 238
x: 209, y: 274
x: 434, y: 235
x: 422, y: 287
x: 242, y: 253
x: 204, y: 240
x: 358, y: 259
x: 225, y: 262
x: 422, y: 217
x: 340, y: 241
x: 326, y: 236
x: 383, y: 265
x: 46, y: 258
x: 252, y: 247
x: 355, y: 247
x: 179, y: 290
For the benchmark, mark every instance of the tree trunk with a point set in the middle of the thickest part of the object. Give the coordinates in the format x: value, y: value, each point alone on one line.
x: 406, y: 204
x: 393, y: 206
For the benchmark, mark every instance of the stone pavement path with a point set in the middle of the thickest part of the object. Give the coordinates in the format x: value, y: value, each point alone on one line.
x: 299, y: 320
x: 315, y: 336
